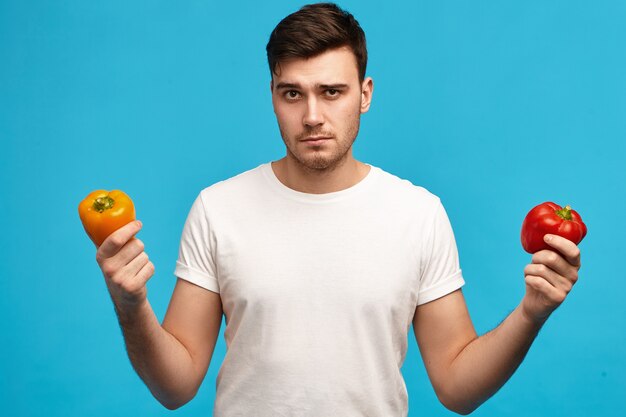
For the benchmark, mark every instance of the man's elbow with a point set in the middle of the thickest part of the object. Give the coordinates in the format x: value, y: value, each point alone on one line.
x: 457, y: 404
x: 173, y: 404
x: 174, y: 401
x: 460, y: 409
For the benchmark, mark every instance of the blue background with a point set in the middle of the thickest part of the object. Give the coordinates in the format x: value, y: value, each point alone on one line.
x: 494, y: 106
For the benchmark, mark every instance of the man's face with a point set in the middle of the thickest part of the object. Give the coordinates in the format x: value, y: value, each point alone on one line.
x: 318, y: 104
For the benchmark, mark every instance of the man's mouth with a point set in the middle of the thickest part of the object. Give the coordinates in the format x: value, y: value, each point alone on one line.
x: 316, y: 140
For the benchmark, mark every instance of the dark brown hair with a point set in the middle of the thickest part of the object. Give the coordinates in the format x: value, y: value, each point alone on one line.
x: 314, y: 29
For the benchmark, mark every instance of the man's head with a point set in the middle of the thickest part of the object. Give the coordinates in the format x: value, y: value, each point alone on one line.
x: 312, y: 30
x: 319, y: 90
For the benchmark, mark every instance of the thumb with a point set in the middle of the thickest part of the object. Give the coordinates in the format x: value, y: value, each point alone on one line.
x: 116, y: 240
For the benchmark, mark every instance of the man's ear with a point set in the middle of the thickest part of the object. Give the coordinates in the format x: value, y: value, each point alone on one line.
x: 367, y: 90
x: 272, y: 85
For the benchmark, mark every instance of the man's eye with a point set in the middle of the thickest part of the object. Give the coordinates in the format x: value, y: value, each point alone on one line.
x: 331, y: 92
x: 291, y: 94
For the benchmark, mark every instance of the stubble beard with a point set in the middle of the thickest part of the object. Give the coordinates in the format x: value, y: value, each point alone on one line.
x: 317, y: 161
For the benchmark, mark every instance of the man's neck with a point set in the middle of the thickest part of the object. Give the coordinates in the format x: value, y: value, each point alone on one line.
x: 340, y: 177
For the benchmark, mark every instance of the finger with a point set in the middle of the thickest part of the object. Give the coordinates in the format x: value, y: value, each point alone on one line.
x: 112, y: 266
x: 550, y: 293
x: 114, y: 242
x: 125, y: 276
x: 139, y: 280
x: 135, y: 265
x: 567, y: 248
x: 146, y: 272
x: 556, y: 262
x: 554, y: 279
x: 130, y: 251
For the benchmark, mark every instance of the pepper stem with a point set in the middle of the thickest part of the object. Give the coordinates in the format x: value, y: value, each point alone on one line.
x: 103, y: 203
x: 565, y: 213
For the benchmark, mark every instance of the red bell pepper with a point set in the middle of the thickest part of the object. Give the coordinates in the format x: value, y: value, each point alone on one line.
x: 550, y: 218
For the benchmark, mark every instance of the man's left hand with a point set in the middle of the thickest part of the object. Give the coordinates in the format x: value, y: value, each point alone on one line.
x: 550, y: 277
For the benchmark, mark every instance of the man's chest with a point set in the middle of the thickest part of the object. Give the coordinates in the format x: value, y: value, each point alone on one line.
x: 363, y: 263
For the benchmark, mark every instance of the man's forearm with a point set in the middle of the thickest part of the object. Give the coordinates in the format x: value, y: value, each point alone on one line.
x: 487, y: 362
x: 160, y: 360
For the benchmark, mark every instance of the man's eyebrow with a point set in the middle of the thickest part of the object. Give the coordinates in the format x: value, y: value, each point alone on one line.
x: 336, y: 86
x: 287, y: 85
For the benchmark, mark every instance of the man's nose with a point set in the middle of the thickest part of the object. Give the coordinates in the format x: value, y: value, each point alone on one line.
x: 313, y: 115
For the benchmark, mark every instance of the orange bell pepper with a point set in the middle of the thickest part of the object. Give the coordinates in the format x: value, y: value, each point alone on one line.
x: 103, y: 212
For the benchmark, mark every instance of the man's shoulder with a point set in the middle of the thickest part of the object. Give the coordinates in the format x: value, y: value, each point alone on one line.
x: 405, y: 189
x: 242, y: 181
x: 234, y: 192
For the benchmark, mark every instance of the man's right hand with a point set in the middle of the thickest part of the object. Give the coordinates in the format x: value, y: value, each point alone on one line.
x: 126, y: 267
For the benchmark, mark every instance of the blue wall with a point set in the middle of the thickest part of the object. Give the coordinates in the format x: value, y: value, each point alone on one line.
x: 494, y: 106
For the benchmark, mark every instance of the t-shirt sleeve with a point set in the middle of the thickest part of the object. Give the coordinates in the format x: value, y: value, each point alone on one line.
x: 441, y: 273
x: 196, y: 257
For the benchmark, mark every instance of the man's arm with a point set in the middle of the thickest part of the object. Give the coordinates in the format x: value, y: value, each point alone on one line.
x: 171, y: 359
x: 465, y: 369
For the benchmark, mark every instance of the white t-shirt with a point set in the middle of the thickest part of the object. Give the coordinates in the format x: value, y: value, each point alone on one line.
x: 318, y: 290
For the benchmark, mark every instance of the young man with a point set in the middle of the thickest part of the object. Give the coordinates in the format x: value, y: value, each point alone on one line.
x: 320, y: 263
